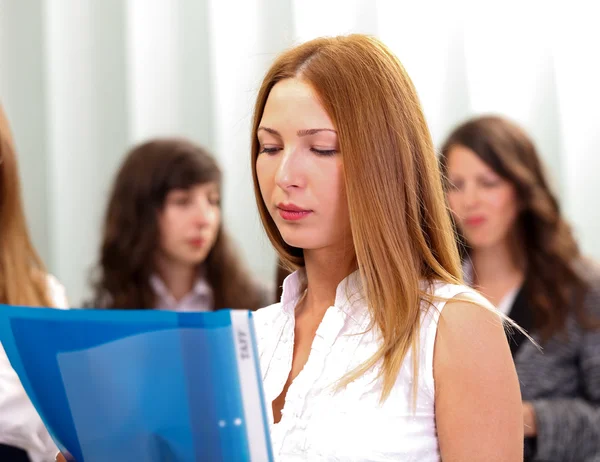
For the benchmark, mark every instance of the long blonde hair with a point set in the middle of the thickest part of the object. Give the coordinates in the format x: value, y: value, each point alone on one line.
x: 22, y: 275
x: 401, y: 227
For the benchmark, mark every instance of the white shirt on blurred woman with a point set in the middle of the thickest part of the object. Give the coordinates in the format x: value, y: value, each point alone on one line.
x: 20, y: 424
x: 200, y: 297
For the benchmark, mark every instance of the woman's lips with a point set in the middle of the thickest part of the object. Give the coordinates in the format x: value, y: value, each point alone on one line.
x: 197, y: 243
x: 475, y: 221
x: 291, y: 212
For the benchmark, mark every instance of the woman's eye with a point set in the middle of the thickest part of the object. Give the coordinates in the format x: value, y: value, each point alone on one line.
x: 324, y: 152
x: 269, y: 149
x: 181, y: 201
x: 490, y: 183
x: 178, y: 199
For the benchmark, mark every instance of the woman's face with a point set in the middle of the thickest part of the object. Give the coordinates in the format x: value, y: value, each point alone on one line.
x: 189, y: 223
x: 300, y: 170
x: 484, y: 204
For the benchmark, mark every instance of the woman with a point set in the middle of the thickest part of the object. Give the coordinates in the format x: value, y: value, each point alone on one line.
x: 164, y: 246
x: 519, y: 251
x: 23, y: 281
x: 355, y: 362
x: 375, y: 352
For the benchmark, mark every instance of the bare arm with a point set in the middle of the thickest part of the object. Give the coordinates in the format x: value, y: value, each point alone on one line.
x: 479, y: 414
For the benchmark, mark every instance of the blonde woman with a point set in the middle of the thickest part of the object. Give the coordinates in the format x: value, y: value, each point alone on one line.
x: 376, y: 351
x: 23, y: 281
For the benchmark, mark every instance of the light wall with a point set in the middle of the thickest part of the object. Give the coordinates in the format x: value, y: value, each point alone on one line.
x: 82, y: 80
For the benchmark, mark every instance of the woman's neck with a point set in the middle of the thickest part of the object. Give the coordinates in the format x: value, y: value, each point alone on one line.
x: 178, y: 278
x: 496, y: 271
x: 324, y: 271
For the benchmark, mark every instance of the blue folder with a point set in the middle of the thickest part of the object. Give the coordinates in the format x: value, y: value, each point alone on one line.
x: 143, y: 386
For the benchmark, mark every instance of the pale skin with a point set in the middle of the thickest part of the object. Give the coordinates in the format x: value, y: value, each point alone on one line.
x: 486, y: 207
x: 188, y: 224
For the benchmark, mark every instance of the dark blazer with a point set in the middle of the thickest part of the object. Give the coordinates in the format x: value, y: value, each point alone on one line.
x: 562, y: 382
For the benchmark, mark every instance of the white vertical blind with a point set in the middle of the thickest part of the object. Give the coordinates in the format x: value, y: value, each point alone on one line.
x: 82, y: 80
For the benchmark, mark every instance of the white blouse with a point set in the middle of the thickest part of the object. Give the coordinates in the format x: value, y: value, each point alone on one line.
x: 318, y: 424
x: 20, y: 424
x: 200, y: 297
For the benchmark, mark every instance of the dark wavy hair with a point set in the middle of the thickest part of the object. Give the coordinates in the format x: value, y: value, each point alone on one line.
x: 131, y: 233
x: 553, y: 280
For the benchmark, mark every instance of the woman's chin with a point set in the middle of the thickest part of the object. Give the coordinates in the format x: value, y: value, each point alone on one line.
x: 294, y: 240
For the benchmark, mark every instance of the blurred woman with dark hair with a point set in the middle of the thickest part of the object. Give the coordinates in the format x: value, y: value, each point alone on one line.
x: 164, y: 246
x: 519, y: 251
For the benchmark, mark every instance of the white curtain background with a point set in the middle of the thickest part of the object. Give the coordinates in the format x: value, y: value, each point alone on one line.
x: 82, y: 80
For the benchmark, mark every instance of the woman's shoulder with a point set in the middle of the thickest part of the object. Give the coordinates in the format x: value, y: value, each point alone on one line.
x: 470, y: 322
x: 442, y: 292
x: 56, y: 292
